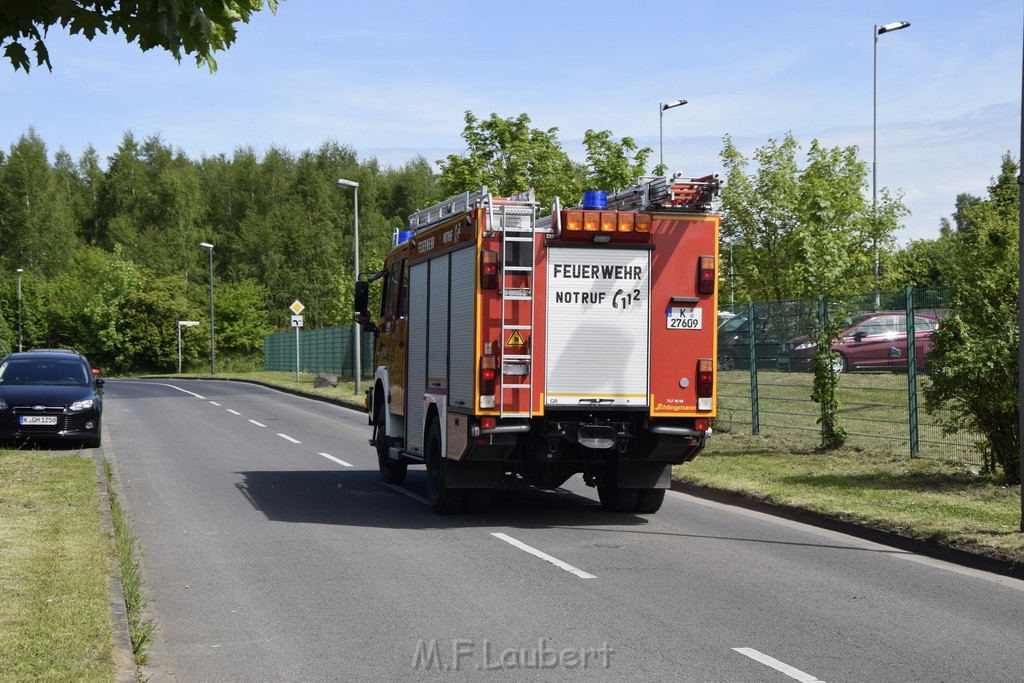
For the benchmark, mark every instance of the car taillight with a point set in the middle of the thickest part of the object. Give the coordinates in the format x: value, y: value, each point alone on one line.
x: 705, y: 383
x: 488, y: 381
x: 706, y: 275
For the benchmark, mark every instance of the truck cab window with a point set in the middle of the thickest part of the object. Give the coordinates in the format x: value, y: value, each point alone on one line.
x: 392, y: 290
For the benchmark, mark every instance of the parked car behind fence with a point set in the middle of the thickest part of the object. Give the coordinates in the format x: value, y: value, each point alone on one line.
x: 870, y: 341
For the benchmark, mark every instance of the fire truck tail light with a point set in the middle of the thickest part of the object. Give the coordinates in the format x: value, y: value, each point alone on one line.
x: 591, y: 220
x: 488, y: 269
x: 642, y: 223
x: 488, y: 422
x: 625, y: 222
x: 573, y: 221
x: 488, y: 377
x: 706, y: 275
x: 705, y: 378
x: 702, y: 424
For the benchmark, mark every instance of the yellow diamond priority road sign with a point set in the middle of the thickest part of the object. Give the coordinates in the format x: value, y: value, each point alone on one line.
x: 297, y: 307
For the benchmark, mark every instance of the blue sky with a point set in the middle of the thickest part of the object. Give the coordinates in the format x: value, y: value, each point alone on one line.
x: 393, y: 79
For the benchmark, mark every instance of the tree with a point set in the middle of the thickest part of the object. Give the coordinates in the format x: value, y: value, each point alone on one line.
x: 37, y: 226
x: 974, y: 351
x: 241, y: 317
x: 613, y: 165
x: 797, y: 233
x: 202, y: 27
x: 149, y: 336
x: 508, y: 156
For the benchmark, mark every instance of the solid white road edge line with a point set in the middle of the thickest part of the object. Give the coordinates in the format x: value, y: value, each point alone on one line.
x: 781, y: 667
x: 409, y: 493
x: 162, y: 384
x: 544, y: 556
x: 337, y: 460
x: 288, y: 438
x: 258, y: 424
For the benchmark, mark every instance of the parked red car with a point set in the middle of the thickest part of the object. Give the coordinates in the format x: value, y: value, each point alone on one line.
x: 872, y: 341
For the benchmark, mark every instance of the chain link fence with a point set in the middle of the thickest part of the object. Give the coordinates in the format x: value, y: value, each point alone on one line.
x: 766, y: 383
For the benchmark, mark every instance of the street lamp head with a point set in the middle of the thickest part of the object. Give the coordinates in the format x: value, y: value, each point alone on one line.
x: 672, y: 104
x: 206, y: 245
x: 347, y: 183
x: 894, y: 26
x: 19, y: 271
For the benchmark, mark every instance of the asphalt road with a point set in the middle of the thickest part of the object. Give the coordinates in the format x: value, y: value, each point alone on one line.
x: 274, y: 553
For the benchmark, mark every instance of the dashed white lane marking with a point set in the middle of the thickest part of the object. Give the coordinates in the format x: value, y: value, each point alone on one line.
x: 258, y: 424
x: 781, y: 667
x: 233, y: 412
x: 337, y: 460
x: 408, y: 493
x: 288, y: 438
x: 214, y: 403
x: 544, y: 556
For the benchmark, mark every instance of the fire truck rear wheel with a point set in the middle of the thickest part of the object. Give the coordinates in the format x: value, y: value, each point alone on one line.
x: 444, y: 500
x: 391, y: 471
x: 649, y: 501
x: 615, y: 499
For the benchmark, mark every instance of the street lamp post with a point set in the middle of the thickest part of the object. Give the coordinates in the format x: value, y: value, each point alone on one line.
x: 661, y: 127
x: 213, y: 366
x: 19, y: 271
x: 357, y: 360
x: 879, y: 30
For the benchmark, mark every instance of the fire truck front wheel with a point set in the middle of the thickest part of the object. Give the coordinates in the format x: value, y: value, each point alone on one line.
x: 444, y: 500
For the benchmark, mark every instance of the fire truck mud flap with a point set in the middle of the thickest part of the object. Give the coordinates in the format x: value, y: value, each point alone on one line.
x: 472, y: 475
x: 642, y: 475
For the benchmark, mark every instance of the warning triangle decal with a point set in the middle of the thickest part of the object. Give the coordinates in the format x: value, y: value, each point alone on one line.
x: 515, y: 339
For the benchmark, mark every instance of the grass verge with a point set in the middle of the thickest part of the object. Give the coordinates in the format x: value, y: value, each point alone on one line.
x: 931, y: 500
x: 55, y: 624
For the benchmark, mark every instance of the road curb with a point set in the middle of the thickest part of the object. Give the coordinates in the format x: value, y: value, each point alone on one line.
x: 124, y: 658
x: 153, y: 671
x: 915, y: 545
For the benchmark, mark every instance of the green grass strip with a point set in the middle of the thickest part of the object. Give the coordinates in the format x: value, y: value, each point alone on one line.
x: 931, y: 500
x: 55, y: 624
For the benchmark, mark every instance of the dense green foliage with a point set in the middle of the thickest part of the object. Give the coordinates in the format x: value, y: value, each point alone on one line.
x: 975, y: 350
x: 111, y: 258
x: 202, y: 27
x: 795, y: 233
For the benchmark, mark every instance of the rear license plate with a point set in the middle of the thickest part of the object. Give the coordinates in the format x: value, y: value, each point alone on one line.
x: 684, y: 318
x: 44, y: 420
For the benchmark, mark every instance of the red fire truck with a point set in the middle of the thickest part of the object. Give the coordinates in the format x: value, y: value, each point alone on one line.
x: 583, y: 342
